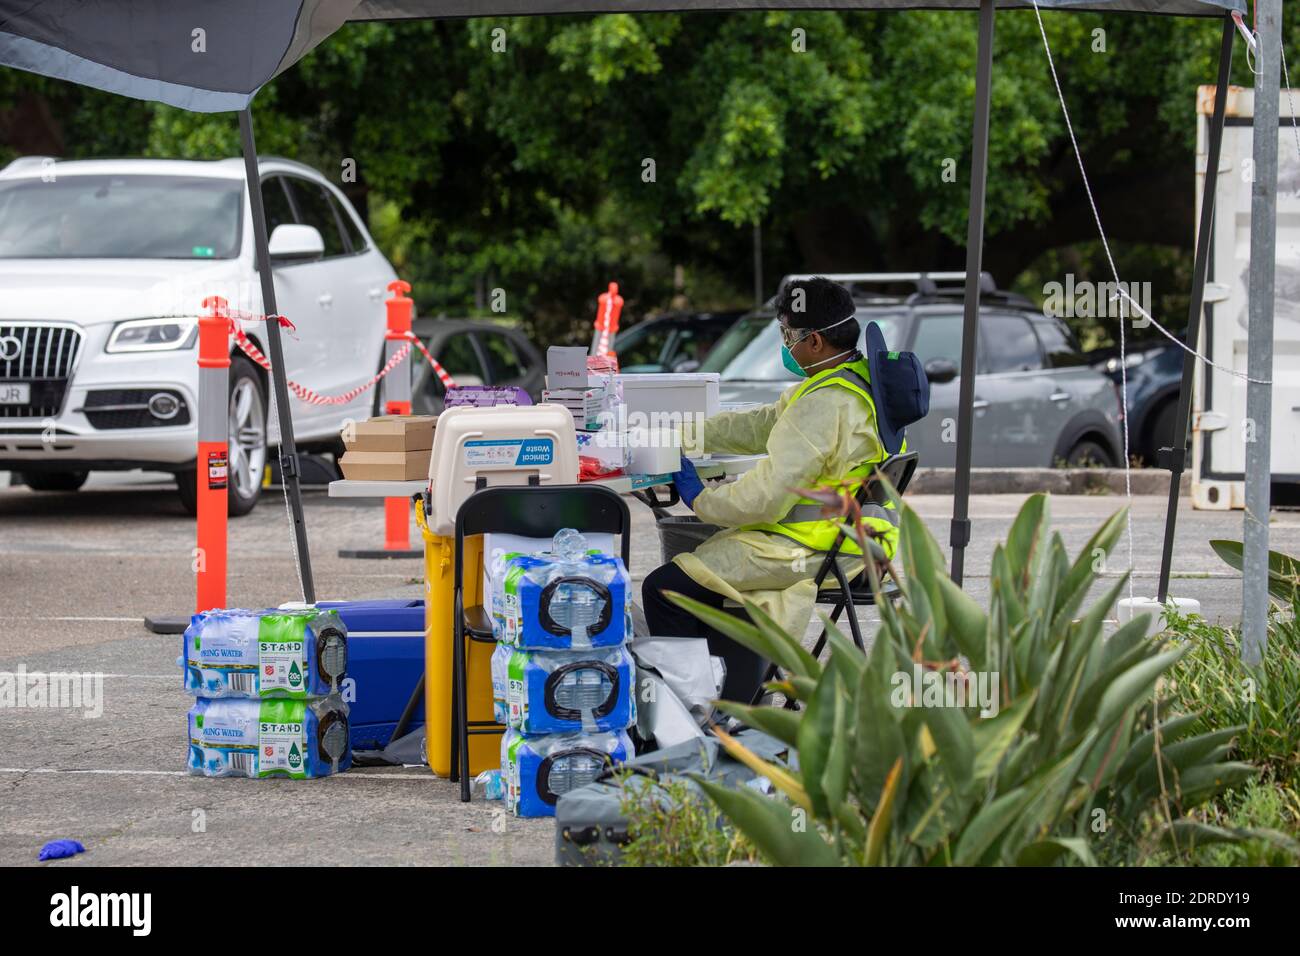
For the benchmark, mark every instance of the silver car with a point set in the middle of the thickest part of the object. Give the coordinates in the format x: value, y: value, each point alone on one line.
x: 1037, y: 402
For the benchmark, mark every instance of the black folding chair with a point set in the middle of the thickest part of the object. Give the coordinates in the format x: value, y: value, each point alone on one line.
x: 533, y: 511
x: 848, y: 595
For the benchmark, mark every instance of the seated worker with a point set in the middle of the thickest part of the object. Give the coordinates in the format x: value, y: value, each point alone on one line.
x: 822, y: 431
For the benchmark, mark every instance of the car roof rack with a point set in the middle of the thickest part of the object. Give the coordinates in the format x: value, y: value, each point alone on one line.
x: 916, y: 287
x: 990, y: 294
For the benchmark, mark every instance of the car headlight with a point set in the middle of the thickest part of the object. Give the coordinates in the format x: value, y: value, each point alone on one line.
x: 152, y: 335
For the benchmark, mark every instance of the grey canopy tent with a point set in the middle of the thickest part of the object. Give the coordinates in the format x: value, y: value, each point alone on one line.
x: 153, y: 49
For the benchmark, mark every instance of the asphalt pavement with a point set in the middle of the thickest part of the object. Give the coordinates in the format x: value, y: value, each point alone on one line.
x: 81, y: 571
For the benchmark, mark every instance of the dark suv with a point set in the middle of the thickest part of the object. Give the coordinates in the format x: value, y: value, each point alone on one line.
x: 1037, y: 401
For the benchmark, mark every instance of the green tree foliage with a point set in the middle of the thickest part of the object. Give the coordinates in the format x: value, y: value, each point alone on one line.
x: 513, y: 153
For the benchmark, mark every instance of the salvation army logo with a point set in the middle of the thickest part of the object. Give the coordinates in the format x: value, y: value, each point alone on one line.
x: 269, y: 670
x: 269, y: 751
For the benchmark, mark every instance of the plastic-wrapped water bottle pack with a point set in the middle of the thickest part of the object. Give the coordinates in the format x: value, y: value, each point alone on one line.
x: 562, y: 679
x: 569, y: 598
x: 269, y: 738
x: 550, y: 692
x: 235, y: 653
x: 539, y: 769
x: 267, y: 684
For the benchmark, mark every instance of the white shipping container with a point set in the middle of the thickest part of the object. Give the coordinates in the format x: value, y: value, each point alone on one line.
x: 1220, y: 429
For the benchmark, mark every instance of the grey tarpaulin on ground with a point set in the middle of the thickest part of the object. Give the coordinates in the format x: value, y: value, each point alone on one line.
x: 589, y: 822
x: 150, y: 50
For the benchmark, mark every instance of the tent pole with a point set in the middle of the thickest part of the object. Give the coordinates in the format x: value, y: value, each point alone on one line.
x: 959, y: 535
x: 1259, y: 338
x: 1175, y: 456
x: 288, y: 449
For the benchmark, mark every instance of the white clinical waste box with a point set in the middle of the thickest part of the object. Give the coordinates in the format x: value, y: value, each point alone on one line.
x: 505, y: 445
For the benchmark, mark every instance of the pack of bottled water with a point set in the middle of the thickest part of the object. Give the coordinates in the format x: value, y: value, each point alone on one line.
x: 299, y: 739
x: 538, y: 770
x: 568, y: 598
x: 562, y: 679
x: 267, y: 685
x: 556, y: 692
x: 299, y: 654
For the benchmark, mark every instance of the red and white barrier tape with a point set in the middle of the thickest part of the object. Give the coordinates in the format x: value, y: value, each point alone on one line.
x: 308, y: 395
x: 443, y: 376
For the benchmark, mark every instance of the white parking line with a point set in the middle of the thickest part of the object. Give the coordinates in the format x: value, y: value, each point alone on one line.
x: 78, y: 670
x: 120, y: 620
x: 358, y: 774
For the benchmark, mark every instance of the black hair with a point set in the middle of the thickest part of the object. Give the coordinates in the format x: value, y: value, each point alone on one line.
x: 815, y: 304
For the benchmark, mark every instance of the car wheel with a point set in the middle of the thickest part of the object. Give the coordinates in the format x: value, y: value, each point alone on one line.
x: 55, y: 480
x: 247, y: 437
x: 1089, y: 454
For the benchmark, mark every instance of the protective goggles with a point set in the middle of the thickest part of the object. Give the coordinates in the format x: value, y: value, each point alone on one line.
x: 791, y: 337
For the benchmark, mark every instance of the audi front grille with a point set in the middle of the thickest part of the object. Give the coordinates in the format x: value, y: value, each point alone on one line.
x: 42, y: 356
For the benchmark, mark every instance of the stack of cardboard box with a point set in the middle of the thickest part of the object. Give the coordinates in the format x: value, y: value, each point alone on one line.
x: 388, y: 448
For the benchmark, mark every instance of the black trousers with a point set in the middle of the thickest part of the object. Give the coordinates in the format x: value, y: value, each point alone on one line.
x: 745, y: 669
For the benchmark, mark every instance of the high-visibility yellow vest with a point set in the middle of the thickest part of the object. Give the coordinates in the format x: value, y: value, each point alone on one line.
x: 803, y: 522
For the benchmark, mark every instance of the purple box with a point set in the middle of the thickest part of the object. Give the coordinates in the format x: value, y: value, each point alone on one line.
x: 486, y: 396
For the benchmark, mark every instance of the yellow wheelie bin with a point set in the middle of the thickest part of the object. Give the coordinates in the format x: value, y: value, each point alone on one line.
x: 439, y: 605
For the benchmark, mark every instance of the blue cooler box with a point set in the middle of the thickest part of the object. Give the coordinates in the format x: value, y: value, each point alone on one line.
x: 385, y: 662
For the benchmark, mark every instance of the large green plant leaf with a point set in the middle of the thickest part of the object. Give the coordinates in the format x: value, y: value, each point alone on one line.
x: 968, y: 625
x: 1184, y: 754
x: 816, y: 738
x: 1201, y: 782
x: 1047, y: 852
x: 1133, y: 684
x: 773, y: 826
x: 878, y: 735
x: 1024, y: 540
x: 781, y: 648
x: 989, y: 824
x: 1283, y: 570
x: 878, y: 831
x: 956, y: 745
x: 1091, y: 560
x: 992, y: 738
x: 1190, y: 834
x: 1142, y: 750
x: 781, y: 723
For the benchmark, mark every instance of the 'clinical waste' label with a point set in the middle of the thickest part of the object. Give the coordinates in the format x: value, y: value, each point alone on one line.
x: 509, y: 453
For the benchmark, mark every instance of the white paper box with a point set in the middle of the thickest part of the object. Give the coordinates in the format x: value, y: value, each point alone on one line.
x: 673, y: 399
x: 654, y: 451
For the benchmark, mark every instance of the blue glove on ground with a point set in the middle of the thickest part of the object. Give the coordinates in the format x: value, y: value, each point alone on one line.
x: 58, y: 849
x: 688, y: 483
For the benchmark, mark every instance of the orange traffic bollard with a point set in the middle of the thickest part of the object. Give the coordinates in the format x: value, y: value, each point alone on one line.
x: 396, y: 401
x: 213, y: 471
x: 609, y: 306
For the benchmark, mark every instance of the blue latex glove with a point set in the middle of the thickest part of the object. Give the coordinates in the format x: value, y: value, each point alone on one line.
x: 688, y: 483
x: 58, y: 849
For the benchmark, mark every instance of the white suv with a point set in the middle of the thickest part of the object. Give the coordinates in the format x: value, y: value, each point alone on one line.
x: 104, y: 265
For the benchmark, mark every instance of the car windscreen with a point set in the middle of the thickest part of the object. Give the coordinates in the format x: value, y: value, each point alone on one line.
x: 121, y: 217
x: 751, y: 349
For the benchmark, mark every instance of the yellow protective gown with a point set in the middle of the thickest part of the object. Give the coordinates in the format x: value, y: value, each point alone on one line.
x: 828, y: 431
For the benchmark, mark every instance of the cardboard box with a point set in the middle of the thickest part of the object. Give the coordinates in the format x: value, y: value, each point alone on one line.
x: 566, y: 366
x: 386, y: 465
x: 391, y: 433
